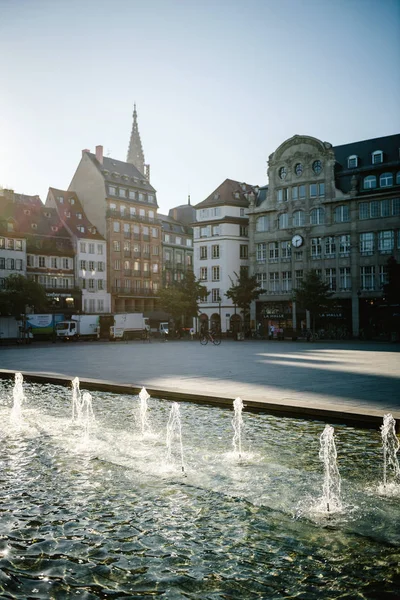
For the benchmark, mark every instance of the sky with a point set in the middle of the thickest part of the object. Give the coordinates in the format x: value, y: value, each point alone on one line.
x: 218, y: 85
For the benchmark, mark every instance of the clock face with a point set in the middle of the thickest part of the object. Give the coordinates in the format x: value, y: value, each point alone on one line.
x: 317, y: 167
x: 297, y: 241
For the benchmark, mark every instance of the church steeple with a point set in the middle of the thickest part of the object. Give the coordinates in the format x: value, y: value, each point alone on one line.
x: 135, y: 152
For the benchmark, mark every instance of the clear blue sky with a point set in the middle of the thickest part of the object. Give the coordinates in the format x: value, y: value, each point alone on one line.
x: 219, y: 84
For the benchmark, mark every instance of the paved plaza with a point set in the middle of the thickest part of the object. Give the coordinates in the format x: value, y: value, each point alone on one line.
x: 352, y: 377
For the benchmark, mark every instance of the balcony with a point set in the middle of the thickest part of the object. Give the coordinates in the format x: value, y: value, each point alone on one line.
x: 137, y: 254
x: 127, y: 253
x: 128, y: 272
x: 134, y: 293
x: 136, y: 272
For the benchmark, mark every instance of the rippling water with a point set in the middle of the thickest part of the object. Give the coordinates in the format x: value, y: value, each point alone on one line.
x: 109, y: 517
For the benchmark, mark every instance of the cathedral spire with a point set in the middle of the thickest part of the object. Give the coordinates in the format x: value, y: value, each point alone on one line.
x: 135, y: 151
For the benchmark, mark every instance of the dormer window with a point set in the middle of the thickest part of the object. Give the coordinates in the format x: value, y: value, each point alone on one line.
x: 71, y: 201
x: 216, y: 196
x: 115, y: 174
x: 386, y: 180
x: 369, y: 182
x: 81, y: 229
x: 54, y: 228
x: 47, y: 214
x: 34, y: 226
x: 27, y: 211
x: 79, y: 215
x: 67, y: 214
x: 377, y: 157
x: 10, y: 226
x: 60, y: 199
x: 352, y: 162
x: 237, y: 195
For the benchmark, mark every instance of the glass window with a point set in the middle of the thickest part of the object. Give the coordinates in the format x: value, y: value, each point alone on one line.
x: 244, y: 251
x: 363, y: 210
x: 203, y: 252
x: 279, y: 195
x: 261, y: 252
x: 321, y: 189
x: 330, y: 278
x: 317, y: 216
x: 18, y: 244
x: 283, y: 221
x: 295, y: 193
x: 286, y: 281
x: 262, y: 224
x: 386, y: 180
x: 377, y: 157
x: 367, y: 278
x: 274, y: 282
x: 99, y: 248
x: 366, y: 243
x: 352, y: 162
x: 298, y: 277
x: 214, y: 251
x: 116, y: 226
x: 273, y: 250
x: 299, y: 218
x: 398, y: 177
x: 313, y: 190
x: 385, y: 208
x: 369, y: 182
x: 122, y: 192
x: 385, y: 241
x: 286, y: 250
x: 374, y: 209
x: 344, y: 244
x: 383, y: 275
x: 215, y: 273
x: 342, y: 214
x: 112, y: 190
x: 316, y: 247
x: 396, y: 206
x: 203, y: 273
x: 116, y: 246
x: 302, y: 192
x: 344, y: 278
x: 330, y: 246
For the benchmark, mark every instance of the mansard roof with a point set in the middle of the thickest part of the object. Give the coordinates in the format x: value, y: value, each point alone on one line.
x: 390, y: 147
x: 168, y: 224
x: 229, y: 193
x: 63, y: 199
x: 117, y: 172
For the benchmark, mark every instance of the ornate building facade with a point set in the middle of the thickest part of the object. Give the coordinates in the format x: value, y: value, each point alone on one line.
x: 335, y: 210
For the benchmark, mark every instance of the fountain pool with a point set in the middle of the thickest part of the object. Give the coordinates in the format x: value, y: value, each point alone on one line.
x: 106, y: 512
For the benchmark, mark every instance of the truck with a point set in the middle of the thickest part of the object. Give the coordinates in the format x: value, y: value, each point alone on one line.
x: 128, y: 326
x: 12, y: 330
x: 43, y: 327
x: 78, y: 327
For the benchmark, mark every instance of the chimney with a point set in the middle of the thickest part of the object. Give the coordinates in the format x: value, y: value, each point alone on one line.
x: 99, y: 154
x: 85, y: 150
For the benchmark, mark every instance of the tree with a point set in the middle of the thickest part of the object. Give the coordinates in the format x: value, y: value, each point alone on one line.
x: 181, y: 300
x: 244, y: 291
x: 314, y: 295
x: 20, y: 292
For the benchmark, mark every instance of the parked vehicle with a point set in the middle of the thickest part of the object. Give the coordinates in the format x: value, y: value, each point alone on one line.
x: 79, y: 327
x: 163, y: 329
x: 11, y: 329
x: 43, y: 326
x: 128, y: 326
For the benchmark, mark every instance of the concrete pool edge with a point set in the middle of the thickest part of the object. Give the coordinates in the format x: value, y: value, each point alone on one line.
x: 367, y: 417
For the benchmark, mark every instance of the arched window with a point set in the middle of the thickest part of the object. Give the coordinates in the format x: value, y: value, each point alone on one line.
x: 317, y: 216
x: 377, y: 157
x: 262, y: 223
x: 369, y: 182
x: 386, y: 180
x: 342, y: 214
x: 352, y: 161
x: 283, y: 221
x: 298, y: 218
x: 398, y: 177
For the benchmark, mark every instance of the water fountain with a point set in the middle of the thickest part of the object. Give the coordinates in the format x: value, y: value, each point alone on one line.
x: 237, y: 424
x: 109, y: 519
x: 331, y: 486
x: 391, y: 445
x: 18, y: 399
x: 143, y: 411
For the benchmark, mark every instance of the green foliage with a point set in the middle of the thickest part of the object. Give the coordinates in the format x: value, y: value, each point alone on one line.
x: 244, y: 291
x: 181, y: 300
x: 314, y: 295
x: 20, y: 292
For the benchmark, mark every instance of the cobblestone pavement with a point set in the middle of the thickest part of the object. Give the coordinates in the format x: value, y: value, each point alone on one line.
x: 357, y: 376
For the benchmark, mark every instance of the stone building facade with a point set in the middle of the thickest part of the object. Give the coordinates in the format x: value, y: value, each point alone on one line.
x: 332, y: 209
x: 221, y: 249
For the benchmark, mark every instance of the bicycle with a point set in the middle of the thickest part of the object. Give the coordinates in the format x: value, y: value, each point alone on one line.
x: 211, y: 336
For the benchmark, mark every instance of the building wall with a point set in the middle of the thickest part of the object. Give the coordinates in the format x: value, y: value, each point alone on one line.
x: 91, y: 269
x: 334, y: 247
x: 12, y: 257
x: 88, y: 184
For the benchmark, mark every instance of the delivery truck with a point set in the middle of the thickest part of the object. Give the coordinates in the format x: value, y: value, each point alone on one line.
x: 129, y: 326
x: 42, y: 327
x: 79, y: 327
x: 11, y: 330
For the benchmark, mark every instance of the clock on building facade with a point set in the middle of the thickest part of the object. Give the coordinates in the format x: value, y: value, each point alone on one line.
x: 297, y: 241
